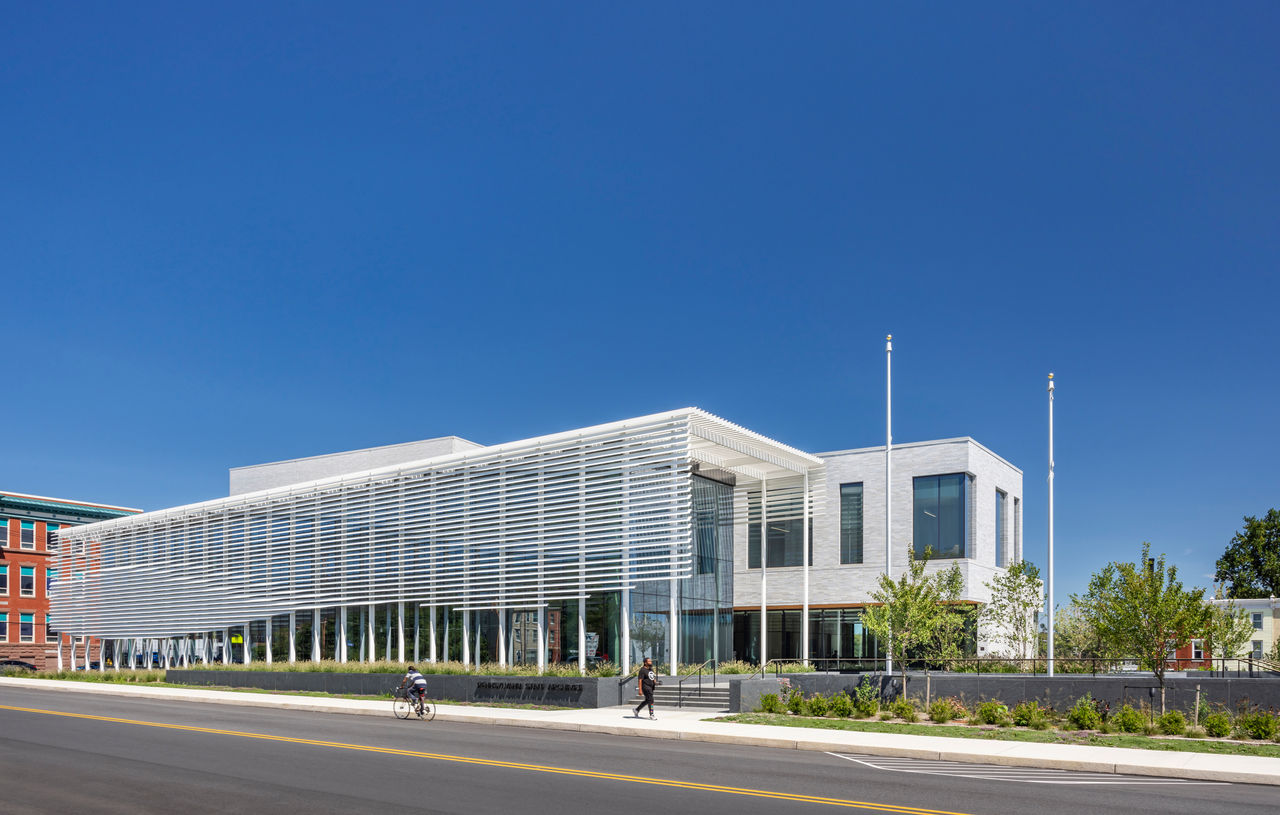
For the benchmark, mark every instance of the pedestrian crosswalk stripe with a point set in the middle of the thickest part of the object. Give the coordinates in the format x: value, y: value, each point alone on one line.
x: 1000, y: 772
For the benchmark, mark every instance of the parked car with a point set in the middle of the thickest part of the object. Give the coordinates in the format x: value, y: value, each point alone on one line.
x: 16, y: 663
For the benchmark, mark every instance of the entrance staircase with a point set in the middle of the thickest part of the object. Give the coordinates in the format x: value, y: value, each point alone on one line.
x: 711, y: 697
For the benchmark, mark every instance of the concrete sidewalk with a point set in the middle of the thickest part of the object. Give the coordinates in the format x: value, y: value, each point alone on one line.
x: 689, y: 725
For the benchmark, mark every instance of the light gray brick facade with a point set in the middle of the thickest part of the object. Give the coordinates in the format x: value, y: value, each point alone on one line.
x: 834, y: 584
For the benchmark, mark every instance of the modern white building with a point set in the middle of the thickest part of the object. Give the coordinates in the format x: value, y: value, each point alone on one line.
x: 629, y: 539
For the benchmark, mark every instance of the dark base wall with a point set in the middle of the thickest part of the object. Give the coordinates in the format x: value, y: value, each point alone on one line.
x: 533, y: 690
x: 1057, y: 692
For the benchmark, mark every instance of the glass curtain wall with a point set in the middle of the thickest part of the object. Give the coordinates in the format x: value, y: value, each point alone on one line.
x: 835, y: 634
x: 939, y: 523
x: 704, y: 600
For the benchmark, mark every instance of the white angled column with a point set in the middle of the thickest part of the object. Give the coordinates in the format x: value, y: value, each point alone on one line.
x: 60, y: 663
x: 226, y: 647
x: 764, y: 570
x: 502, y: 636
x: 266, y: 650
x: 315, y: 635
x: 400, y: 630
x: 372, y: 653
x: 431, y: 631
x: 248, y: 643
x: 417, y: 633
x: 466, y: 637
x: 446, y: 634
x: 582, y: 636
x: 673, y: 631
x: 542, y: 639
x: 340, y: 645
x: 293, y: 636
x: 804, y: 548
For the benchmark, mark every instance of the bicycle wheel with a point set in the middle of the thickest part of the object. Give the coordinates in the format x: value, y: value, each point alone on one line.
x: 402, y: 706
x: 428, y: 711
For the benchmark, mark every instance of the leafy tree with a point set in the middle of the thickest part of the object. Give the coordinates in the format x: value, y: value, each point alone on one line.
x: 1075, y: 636
x: 1142, y: 610
x: 912, y: 608
x: 1228, y: 629
x: 1251, y: 563
x: 1016, y: 598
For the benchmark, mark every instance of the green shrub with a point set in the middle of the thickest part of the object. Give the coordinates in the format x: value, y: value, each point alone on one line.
x: 1194, y: 733
x: 770, y: 703
x: 992, y: 712
x: 1084, y: 714
x: 1173, y: 723
x: 1030, y: 714
x: 1256, y: 724
x: 904, y: 709
x: 945, y: 709
x: 866, y: 698
x: 817, y: 705
x: 1128, y: 720
x: 886, y: 715
x: 795, y: 702
x: 841, y: 705
x: 1217, y: 724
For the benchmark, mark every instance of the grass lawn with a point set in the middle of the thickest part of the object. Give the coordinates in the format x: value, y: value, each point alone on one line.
x: 1134, y: 740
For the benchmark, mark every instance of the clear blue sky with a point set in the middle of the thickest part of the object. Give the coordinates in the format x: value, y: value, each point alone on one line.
x: 231, y: 235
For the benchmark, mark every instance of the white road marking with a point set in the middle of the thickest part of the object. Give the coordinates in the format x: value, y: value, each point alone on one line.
x: 996, y: 772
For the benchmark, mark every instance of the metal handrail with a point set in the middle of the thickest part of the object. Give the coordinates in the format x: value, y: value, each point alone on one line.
x: 680, y: 682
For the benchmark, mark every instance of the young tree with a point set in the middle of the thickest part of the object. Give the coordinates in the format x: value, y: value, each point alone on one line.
x: 1010, y: 616
x: 1228, y: 629
x: 912, y: 608
x: 1251, y: 563
x: 1142, y: 610
x: 1075, y: 636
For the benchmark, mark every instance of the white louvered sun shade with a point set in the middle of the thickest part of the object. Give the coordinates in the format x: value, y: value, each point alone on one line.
x: 512, y: 526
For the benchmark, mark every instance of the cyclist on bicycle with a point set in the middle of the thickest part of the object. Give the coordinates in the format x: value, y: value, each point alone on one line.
x: 417, y: 686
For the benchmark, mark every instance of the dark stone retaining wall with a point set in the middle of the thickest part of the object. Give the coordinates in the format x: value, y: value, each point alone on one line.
x: 535, y: 690
x: 1059, y: 692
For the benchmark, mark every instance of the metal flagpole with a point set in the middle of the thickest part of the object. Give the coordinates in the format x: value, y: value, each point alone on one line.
x: 1049, y: 653
x: 888, y: 482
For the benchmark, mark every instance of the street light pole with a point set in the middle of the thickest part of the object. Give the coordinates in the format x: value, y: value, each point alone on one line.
x: 888, y: 481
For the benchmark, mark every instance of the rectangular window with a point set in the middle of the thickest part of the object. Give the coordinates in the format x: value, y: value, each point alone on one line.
x: 27, y: 581
x: 4, y: 532
x: 1257, y: 621
x: 851, y: 523
x: 28, y: 537
x: 4, y: 580
x: 939, y: 525
x: 4, y: 626
x: 1017, y: 529
x: 1257, y: 649
x: 49, y: 576
x: 1002, y: 543
x: 50, y: 633
x: 50, y: 539
x: 785, y: 548
x: 26, y: 628
x: 1197, y: 649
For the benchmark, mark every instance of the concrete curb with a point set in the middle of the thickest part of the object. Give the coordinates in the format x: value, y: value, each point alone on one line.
x: 1118, y: 760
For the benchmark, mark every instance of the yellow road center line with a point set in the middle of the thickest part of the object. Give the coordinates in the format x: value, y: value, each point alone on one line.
x: 510, y: 765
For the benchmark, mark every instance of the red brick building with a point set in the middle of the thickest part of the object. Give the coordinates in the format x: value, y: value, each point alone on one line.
x: 26, y: 573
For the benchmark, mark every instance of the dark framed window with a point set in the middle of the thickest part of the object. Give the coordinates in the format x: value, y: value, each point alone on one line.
x: 4, y: 626
x: 50, y: 633
x: 1002, y: 548
x: 50, y: 575
x: 50, y: 539
x: 851, y: 523
x: 4, y: 580
x: 28, y: 539
x: 4, y: 533
x: 27, y: 581
x: 26, y: 628
x: 785, y: 545
x: 939, y: 524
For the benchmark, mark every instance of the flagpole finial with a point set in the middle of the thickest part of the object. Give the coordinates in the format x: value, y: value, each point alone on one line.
x: 1051, y: 382
x: 888, y: 337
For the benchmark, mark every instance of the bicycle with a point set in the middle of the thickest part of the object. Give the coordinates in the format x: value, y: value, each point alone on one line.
x: 405, y: 706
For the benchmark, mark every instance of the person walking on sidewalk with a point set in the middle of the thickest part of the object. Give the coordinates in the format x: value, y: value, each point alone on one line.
x: 648, y: 679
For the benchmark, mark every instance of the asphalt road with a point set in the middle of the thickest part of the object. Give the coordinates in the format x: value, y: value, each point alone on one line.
x: 143, y: 756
